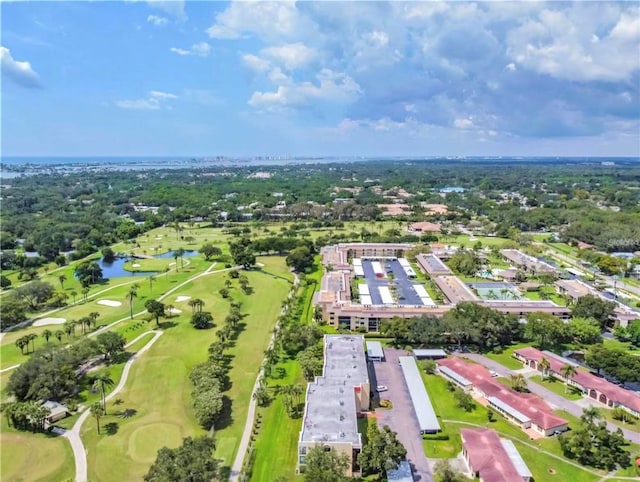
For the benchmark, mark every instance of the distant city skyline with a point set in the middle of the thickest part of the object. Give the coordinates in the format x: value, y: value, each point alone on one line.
x: 371, y: 79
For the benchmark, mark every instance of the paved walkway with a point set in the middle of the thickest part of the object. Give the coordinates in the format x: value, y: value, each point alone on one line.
x: 236, y: 468
x: 553, y: 399
x: 73, y: 435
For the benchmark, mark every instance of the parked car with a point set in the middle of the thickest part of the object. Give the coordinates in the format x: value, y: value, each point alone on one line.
x: 382, y: 388
x: 494, y: 373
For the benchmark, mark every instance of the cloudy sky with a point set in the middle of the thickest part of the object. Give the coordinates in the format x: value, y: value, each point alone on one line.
x: 320, y: 78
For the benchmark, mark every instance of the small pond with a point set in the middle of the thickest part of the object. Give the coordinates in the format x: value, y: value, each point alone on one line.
x: 115, y: 269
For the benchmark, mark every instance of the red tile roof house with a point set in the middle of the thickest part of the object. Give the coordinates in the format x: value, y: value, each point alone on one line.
x: 525, y: 410
x: 491, y: 458
x: 595, y: 387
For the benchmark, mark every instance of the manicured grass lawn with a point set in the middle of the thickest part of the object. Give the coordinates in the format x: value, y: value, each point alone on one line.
x: 551, y: 295
x: 541, y: 465
x: 160, y: 392
x: 633, y: 423
x: 153, y: 264
x: 558, y: 387
x: 506, y: 357
x: 276, y: 446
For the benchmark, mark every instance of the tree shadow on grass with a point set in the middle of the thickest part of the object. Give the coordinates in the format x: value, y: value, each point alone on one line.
x: 126, y: 413
x: 165, y: 325
x: 111, y: 428
x: 225, y: 418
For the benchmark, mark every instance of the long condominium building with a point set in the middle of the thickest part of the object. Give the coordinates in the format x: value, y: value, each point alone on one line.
x: 335, y: 399
x: 340, y: 311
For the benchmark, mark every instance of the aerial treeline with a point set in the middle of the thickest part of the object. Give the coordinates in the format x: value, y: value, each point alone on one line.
x: 53, y: 214
x: 467, y: 324
x: 615, y: 363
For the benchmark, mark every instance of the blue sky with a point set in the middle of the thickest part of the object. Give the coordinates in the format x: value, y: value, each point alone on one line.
x: 320, y: 78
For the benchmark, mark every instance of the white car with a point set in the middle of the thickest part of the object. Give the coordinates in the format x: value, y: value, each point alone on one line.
x: 382, y: 388
x: 494, y: 373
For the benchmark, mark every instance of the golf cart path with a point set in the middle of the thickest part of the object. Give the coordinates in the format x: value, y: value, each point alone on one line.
x: 73, y: 435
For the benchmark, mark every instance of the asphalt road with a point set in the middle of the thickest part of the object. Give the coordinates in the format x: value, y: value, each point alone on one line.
x: 401, y: 418
x: 557, y: 401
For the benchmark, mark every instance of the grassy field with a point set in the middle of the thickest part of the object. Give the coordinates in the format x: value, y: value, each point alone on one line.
x: 506, y: 357
x: 31, y: 457
x: 159, y: 391
x: 543, y: 466
x: 558, y: 387
x: 276, y: 446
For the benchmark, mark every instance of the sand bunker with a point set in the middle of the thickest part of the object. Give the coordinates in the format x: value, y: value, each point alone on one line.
x: 182, y: 298
x: 109, y: 303
x: 135, y: 265
x: 49, y: 321
x: 173, y: 311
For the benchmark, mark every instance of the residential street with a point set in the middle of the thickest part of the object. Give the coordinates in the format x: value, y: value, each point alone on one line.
x: 556, y: 401
x: 401, y: 418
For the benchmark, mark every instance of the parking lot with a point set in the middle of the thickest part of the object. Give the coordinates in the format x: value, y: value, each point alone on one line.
x: 406, y: 295
x: 401, y: 418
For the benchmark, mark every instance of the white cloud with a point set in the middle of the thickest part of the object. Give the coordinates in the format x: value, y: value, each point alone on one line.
x: 291, y: 56
x: 380, y: 39
x: 331, y: 87
x: 172, y: 7
x: 255, y: 63
x: 154, y: 101
x: 560, y: 43
x: 271, y: 20
x: 511, y: 67
x: 19, y: 72
x: 157, y: 20
x: 463, y: 123
x: 201, y: 49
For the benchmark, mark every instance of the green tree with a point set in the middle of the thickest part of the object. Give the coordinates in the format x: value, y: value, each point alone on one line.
x: 34, y: 294
x: 584, y: 330
x: 544, y: 366
x: 4, y: 282
x: 155, y: 309
x: 191, y: 462
x: 62, y: 278
x: 88, y: 273
x: 325, y: 466
x: 300, y: 258
x: 568, y: 371
x: 97, y: 411
x: 132, y: 295
x: 202, y: 320
x: 101, y: 382
x: 464, y: 400
x: 543, y: 328
x: 443, y: 472
x: 382, y: 451
x: 46, y: 334
x: 591, y: 306
x: 518, y: 382
x: 429, y: 366
x: 208, y: 250
x: 110, y: 344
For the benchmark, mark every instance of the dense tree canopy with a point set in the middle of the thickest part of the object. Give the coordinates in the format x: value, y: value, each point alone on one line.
x: 191, y: 462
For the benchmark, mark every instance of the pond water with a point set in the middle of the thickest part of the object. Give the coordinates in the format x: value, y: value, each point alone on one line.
x: 115, y: 269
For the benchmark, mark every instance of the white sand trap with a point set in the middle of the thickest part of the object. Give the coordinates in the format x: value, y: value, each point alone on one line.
x: 182, y: 298
x: 173, y: 311
x: 171, y: 264
x: 109, y: 303
x: 49, y: 321
x: 158, y: 237
x: 135, y: 265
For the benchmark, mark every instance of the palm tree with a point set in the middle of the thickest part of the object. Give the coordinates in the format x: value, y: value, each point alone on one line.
x: 100, y: 383
x: 87, y: 321
x: 590, y: 414
x: 227, y: 283
x: 93, y: 316
x: 73, y: 294
x: 151, y: 280
x: 133, y: 294
x: 567, y: 372
x: 85, y: 291
x: 59, y: 334
x: 21, y: 343
x: 180, y: 253
x: 46, y: 334
x: 32, y: 337
x: 170, y: 311
x: 518, y: 382
x: 62, y: 278
x: 192, y: 305
x: 544, y: 365
x: 70, y: 327
x: 198, y: 304
x: 97, y: 412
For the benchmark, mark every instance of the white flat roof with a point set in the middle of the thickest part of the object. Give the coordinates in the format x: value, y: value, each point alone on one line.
x: 374, y: 349
x: 357, y: 261
x: 429, y: 352
x: 427, y: 419
x: 366, y: 300
x: 363, y: 289
x: 385, y: 294
x: 451, y: 374
x: 377, y: 267
x: 358, y: 271
x: 519, y: 416
x: 516, y: 458
x: 421, y: 291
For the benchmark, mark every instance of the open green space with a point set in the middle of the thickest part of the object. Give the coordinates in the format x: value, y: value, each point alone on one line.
x: 30, y: 457
x: 558, y: 387
x: 142, y: 265
x: 506, y: 357
x: 159, y: 390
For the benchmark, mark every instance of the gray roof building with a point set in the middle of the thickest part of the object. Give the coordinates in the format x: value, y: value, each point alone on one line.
x: 427, y: 420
